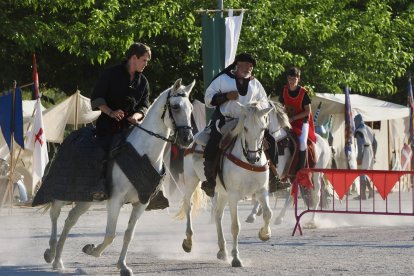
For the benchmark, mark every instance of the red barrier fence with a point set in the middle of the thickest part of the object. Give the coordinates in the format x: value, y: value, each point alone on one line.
x: 388, y: 198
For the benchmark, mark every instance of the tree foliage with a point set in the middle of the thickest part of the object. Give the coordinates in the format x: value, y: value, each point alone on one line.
x: 367, y: 45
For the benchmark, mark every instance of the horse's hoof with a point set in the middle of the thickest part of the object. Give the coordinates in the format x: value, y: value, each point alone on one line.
x: 187, y: 246
x: 126, y: 272
x: 58, y: 265
x: 264, y: 235
x: 88, y: 249
x: 251, y: 219
x: 310, y: 225
x: 49, y: 257
x: 222, y: 255
x: 236, y: 263
x: 278, y: 221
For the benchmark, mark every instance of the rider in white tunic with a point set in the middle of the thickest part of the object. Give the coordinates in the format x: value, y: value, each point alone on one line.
x: 367, y: 147
x: 233, y: 85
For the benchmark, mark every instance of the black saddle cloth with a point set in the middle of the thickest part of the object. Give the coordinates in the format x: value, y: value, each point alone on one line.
x: 78, y: 170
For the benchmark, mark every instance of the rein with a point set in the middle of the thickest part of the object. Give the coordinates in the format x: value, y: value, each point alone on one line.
x: 246, y: 150
x: 167, y: 106
x: 245, y: 165
x: 242, y: 164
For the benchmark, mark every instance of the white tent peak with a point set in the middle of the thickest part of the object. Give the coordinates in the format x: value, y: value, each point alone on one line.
x: 74, y: 110
x: 371, y: 109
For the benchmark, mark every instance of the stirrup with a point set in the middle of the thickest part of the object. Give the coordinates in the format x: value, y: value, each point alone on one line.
x: 208, y: 188
x: 273, y: 187
x: 281, y: 185
x: 159, y: 201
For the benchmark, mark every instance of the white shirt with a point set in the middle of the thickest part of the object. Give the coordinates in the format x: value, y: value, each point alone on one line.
x: 225, y: 84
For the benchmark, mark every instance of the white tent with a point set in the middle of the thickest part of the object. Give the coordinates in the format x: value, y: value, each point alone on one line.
x: 391, y: 127
x: 75, y: 110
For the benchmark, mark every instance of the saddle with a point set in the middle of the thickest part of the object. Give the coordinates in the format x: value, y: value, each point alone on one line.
x: 77, y: 171
x: 203, y: 136
x: 80, y: 170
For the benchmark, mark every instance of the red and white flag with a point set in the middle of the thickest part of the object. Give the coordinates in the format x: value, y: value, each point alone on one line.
x: 37, y: 142
x: 35, y: 75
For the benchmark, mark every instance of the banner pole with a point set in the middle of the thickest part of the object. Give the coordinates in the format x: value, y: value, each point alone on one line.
x: 22, y: 86
x: 9, y: 186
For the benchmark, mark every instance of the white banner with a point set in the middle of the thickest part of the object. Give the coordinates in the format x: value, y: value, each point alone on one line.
x: 233, y: 29
x: 37, y: 143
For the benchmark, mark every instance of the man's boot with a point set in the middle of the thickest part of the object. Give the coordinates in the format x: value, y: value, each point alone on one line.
x: 272, y: 182
x: 362, y: 195
x: 209, y: 185
x: 159, y: 201
x: 275, y: 184
x: 302, y: 159
x: 370, y: 189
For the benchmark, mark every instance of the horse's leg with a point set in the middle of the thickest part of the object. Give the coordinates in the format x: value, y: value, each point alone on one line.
x: 235, y: 230
x: 220, y: 204
x: 315, y: 196
x: 265, y: 232
x: 113, y: 208
x: 252, y: 216
x: 288, y: 202
x: 190, y: 185
x: 55, y: 209
x: 74, y: 214
x: 213, y: 208
x: 137, y: 210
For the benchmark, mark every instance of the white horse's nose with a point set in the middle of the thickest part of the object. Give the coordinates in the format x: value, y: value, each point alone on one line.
x: 252, y: 157
x: 185, y: 137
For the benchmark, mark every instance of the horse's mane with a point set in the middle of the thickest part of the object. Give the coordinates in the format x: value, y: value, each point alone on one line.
x: 162, y: 94
x: 281, y: 114
x: 237, y: 130
x: 252, y: 109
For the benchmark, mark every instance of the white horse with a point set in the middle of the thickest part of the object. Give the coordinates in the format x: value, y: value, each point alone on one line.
x: 170, y: 112
x: 323, y: 155
x: 244, y: 172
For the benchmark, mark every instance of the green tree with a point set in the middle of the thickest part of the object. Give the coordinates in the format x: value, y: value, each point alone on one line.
x: 366, y: 45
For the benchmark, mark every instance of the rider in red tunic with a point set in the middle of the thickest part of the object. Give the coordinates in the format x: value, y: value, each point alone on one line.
x: 298, y: 107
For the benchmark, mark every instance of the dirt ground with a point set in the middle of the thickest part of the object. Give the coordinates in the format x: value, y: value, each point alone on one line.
x: 342, y: 245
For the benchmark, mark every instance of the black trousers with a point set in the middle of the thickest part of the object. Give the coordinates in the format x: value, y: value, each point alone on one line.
x: 272, y: 150
x: 212, y: 146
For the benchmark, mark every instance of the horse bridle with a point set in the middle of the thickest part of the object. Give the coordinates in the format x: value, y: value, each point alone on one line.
x: 246, y: 150
x: 176, y: 128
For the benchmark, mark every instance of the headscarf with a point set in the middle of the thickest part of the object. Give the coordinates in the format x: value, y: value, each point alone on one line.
x: 359, y: 122
x: 244, y: 57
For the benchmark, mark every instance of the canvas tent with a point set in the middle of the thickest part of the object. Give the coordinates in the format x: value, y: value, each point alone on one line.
x: 392, y: 124
x: 75, y: 110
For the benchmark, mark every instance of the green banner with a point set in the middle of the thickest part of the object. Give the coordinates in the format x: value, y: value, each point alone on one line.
x: 213, y: 48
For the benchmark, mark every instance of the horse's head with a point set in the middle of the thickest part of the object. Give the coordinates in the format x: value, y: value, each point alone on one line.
x: 179, y: 110
x: 255, y: 121
x: 279, y: 129
x: 279, y: 120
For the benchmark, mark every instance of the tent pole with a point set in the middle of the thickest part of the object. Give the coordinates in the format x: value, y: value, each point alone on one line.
x: 25, y: 139
x: 389, y: 149
x: 76, y: 109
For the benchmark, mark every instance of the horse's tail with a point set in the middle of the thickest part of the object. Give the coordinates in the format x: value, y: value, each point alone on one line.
x: 198, y: 200
x: 44, y: 207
